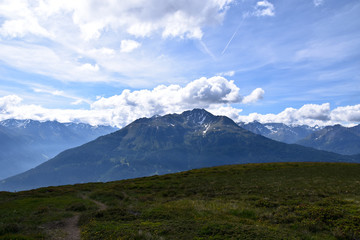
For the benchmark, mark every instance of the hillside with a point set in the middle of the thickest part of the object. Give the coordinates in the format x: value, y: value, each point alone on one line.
x: 336, y: 138
x: 251, y: 201
x: 160, y: 145
x: 28, y: 143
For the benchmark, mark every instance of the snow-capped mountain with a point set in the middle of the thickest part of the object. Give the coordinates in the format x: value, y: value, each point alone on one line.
x: 279, y: 131
x: 167, y: 144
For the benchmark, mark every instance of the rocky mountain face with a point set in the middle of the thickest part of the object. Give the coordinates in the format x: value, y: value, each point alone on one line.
x: 336, y: 138
x: 159, y: 145
x: 279, y: 131
x: 28, y: 143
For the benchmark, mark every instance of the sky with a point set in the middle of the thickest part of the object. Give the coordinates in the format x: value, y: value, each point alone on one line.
x: 111, y: 62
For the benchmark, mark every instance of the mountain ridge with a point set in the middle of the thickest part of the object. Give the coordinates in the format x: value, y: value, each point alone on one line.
x: 280, y: 131
x: 172, y: 143
x: 339, y: 139
x: 27, y: 143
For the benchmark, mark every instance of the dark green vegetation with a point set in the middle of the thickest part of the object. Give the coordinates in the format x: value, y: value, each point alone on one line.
x: 160, y: 145
x: 255, y: 201
x: 336, y: 138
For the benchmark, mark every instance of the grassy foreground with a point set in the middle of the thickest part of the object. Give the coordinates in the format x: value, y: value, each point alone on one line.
x: 255, y: 201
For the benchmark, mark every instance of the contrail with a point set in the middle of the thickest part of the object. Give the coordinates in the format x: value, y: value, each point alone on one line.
x: 232, y: 37
x: 207, y: 50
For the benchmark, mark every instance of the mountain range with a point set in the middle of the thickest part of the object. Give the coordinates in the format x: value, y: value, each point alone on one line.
x: 338, y: 139
x: 159, y: 145
x: 28, y: 143
x: 279, y: 131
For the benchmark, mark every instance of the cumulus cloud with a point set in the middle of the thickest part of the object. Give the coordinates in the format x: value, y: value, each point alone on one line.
x: 122, y: 109
x: 140, y: 18
x: 347, y: 113
x: 264, y: 8
x: 129, y: 45
x: 255, y: 95
x: 214, y: 94
x: 8, y: 102
x: 309, y: 114
x: 315, y: 112
x: 211, y: 90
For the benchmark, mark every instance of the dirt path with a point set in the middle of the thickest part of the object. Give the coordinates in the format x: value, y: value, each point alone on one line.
x: 71, y: 228
x: 68, y: 229
x: 64, y: 230
x: 99, y: 204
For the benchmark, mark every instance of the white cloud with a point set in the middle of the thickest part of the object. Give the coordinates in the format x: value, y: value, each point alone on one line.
x: 140, y: 18
x: 318, y: 2
x: 227, y: 74
x: 215, y: 94
x: 211, y: 90
x: 122, y: 109
x: 315, y: 112
x: 264, y: 8
x: 89, y: 67
x: 49, y: 37
x: 309, y: 114
x: 255, y: 95
x: 8, y: 102
x: 210, y: 93
x: 347, y: 113
x: 129, y: 45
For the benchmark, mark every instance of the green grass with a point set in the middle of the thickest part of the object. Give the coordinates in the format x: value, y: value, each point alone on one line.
x: 255, y: 201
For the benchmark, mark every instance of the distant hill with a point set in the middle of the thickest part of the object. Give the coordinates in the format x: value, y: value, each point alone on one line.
x: 28, y: 143
x: 159, y: 145
x: 279, y: 131
x: 336, y: 138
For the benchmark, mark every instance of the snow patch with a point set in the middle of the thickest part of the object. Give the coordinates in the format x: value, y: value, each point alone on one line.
x: 207, y: 126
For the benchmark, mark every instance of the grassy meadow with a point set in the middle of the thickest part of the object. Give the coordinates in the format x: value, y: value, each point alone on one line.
x: 252, y: 201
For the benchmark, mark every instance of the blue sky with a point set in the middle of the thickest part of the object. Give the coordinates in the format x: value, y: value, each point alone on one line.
x: 108, y: 62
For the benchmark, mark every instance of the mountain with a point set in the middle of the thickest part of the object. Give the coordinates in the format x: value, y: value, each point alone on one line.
x: 28, y: 143
x: 159, y: 145
x: 279, y: 131
x: 336, y: 138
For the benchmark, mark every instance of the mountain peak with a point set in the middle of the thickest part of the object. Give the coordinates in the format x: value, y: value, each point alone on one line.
x: 198, y: 116
x: 171, y: 143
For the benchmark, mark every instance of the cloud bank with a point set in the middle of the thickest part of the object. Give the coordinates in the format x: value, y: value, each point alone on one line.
x: 215, y: 94
x: 180, y: 18
x: 310, y: 114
